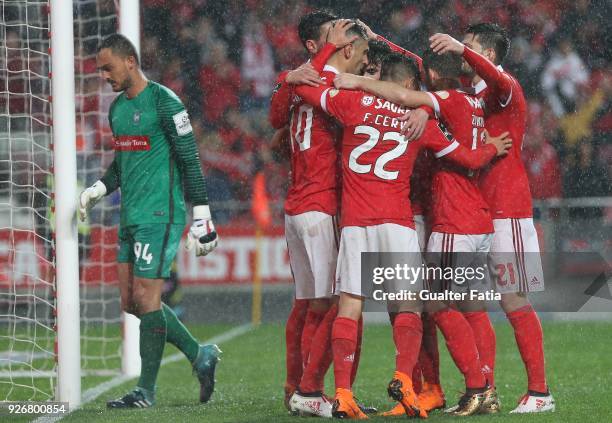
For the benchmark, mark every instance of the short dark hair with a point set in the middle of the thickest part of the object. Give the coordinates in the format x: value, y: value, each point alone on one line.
x: 358, y: 30
x: 309, y: 27
x: 120, y: 45
x: 396, y: 67
x: 377, y: 51
x: 491, y: 35
x: 447, y: 65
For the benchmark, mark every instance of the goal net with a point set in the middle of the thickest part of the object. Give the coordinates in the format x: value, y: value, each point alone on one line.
x: 27, y: 255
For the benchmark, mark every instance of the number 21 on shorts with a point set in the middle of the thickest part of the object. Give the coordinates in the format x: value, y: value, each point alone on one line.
x: 141, y: 251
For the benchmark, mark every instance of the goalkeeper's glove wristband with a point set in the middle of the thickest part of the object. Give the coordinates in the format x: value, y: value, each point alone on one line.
x: 90, y: 197
x: 202, y: 235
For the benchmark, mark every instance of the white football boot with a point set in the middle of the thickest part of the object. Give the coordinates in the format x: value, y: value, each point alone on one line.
x: 534, y: 404
x: 310, y: 405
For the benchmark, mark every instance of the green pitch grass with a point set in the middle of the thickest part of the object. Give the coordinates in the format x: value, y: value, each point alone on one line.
x: 251, y: 375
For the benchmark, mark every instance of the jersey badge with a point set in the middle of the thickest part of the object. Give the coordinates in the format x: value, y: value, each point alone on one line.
x: 367, y: 100
x: 136, y: 117
x: 182, y: 123
x: 333, y: 92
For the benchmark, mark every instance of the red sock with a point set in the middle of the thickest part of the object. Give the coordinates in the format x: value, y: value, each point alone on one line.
x: 484, y: 335
x: 320, y: 354
x: 461, y: 346
x: 313, y: 319
x: 407, y: 334
x: 429, y: 357
x: 357, y: 351
x: 293, y: 336
x: 529, y: 338
x: 417, y: 378
x: 344, y: 343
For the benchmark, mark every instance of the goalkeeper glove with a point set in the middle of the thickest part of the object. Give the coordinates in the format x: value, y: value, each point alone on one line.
x: 202, y: 235
x: 90, y: 197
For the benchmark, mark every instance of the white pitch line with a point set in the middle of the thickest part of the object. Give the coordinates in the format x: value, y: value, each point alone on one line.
x: 93, y: 393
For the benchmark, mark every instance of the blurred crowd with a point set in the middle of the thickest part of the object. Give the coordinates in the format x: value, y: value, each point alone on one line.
x: 222, y: 58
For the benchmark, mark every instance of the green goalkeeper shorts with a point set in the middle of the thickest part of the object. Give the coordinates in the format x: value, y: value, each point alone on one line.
x: 151, y: 248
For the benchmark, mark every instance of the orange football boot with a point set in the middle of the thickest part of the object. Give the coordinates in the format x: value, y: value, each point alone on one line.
x: 398, y: 410
x: 432, y: 397
x: 400, y: 389
x: 345, y: 406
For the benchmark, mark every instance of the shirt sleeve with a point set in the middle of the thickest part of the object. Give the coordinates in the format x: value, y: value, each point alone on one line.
x: 336, y: 103
x: 280, y: 102
x: 402, y: 50
x: 442, y: 143
x: 320, y: 59
x: 497, y: 81
x: 177, y: 127
x: 111, y: 178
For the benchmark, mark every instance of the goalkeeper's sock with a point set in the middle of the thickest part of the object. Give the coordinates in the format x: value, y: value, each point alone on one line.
x: 179, y: 336
x: 529, y: 338
x: 357, y: 351
x: 293, y: 336
x: 461, y: 346
x: 320, y: 354
x: 152, y: 341
x: 407, y: 334
x: 429, y: 356
x: 311, y: 323
x: 484, y: 335
x: 344, y: 343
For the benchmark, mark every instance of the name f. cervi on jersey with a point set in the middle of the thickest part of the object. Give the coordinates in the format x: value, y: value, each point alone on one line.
x: 555, y: 282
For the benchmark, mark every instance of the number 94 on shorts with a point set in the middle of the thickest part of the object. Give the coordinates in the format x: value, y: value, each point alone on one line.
x: 151, y: 248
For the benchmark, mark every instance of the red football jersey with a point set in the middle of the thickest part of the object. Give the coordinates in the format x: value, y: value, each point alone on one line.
x: 457, y: 205
x: 420, y: 184
x: 377, y: 161
x: 314, y: 156
x: 504, y: 183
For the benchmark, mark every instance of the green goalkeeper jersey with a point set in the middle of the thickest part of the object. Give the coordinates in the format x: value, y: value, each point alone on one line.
x: 155, y: 158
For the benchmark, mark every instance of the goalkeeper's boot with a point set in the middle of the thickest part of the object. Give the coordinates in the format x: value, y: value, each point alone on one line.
x: 469, y: 403
x: 345, y: 406
x: 535, y: 402
x: 310, y: 404
x: 490, y: 404
x: 400, y: 389
x: 431, y: 397
x: 138, y: 398
x: 204, y: 368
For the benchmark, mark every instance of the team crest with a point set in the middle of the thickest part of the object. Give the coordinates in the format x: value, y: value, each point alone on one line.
x: 333, y: 92
x: 136, y: 117
x: 367, y: 100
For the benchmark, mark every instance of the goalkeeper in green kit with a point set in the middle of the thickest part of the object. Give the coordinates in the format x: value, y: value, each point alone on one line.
x: 155, y: 161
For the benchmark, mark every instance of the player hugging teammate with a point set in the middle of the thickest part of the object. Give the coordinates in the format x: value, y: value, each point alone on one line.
x: 355, y: 144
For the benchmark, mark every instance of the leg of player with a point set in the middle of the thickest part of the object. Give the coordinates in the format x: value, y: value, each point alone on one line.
x: 407, y: 335
x: 125, y: 276
x: 462, y: 348
x: 476, y: 315
x: 344, y: 345
x: 530, y: 342
x: 317, y: 308
x: 146, y: 296
x: 293, y: 357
